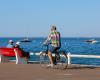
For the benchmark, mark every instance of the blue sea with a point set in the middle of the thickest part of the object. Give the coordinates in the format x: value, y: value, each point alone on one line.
x: 72, y: 45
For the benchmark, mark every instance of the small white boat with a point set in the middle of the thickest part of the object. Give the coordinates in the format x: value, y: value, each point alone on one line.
x: 92, y: 41
x: 26, y: 40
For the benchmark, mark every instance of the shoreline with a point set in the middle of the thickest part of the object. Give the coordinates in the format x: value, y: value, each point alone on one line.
x: 11, y: 71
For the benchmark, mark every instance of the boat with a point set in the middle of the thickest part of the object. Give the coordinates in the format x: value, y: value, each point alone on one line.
x: 92, y: 41
x: 25, y: 40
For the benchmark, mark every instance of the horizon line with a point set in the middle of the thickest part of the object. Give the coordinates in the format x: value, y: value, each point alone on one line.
x: 46, y: 37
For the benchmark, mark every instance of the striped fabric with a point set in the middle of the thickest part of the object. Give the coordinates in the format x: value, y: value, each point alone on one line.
x: 54, y: 37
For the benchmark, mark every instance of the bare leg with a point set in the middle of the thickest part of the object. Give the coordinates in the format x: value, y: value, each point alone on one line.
x: 50, y: 57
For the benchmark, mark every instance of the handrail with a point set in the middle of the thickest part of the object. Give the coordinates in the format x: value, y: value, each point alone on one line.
x: 69, y: 55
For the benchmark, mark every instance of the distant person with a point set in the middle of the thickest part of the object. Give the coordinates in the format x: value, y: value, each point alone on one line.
x: 17, y: 45
x: 10, y: 45
x: 24, y: 54
x: 55, y: 43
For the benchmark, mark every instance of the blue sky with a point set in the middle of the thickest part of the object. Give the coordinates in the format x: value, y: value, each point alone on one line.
x: 33, y: 18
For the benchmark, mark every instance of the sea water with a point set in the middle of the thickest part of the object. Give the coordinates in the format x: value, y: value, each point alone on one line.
x: 76, y: 45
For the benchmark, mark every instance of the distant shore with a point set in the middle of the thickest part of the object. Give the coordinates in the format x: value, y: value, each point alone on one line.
x: 11, y: 71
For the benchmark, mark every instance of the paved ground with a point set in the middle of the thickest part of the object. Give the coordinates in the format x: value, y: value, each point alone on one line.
x: 35, y: 72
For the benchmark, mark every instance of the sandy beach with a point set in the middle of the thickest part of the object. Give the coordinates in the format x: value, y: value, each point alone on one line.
x: 10, y: 71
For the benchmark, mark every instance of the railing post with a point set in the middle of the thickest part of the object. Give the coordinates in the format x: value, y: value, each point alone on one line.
x: 69, y: 58
x: 0, y: 56
x: 19, y: 60
x: 16, y: 55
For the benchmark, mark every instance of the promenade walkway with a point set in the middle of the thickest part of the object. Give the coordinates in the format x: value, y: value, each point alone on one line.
x: 10, y: 71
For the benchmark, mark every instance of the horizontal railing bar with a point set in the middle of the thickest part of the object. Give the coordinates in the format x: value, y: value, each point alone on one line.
x: 85, y: 56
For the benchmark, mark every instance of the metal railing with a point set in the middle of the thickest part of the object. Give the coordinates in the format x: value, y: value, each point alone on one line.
x: 69, y: 55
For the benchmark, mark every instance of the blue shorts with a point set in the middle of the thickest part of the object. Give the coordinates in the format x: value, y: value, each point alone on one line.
x: 53, y: 49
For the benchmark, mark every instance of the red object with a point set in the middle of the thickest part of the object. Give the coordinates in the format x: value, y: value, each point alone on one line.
x: 10, y: 52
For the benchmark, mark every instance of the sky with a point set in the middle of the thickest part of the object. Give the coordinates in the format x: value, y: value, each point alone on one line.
x: 34, y: 18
